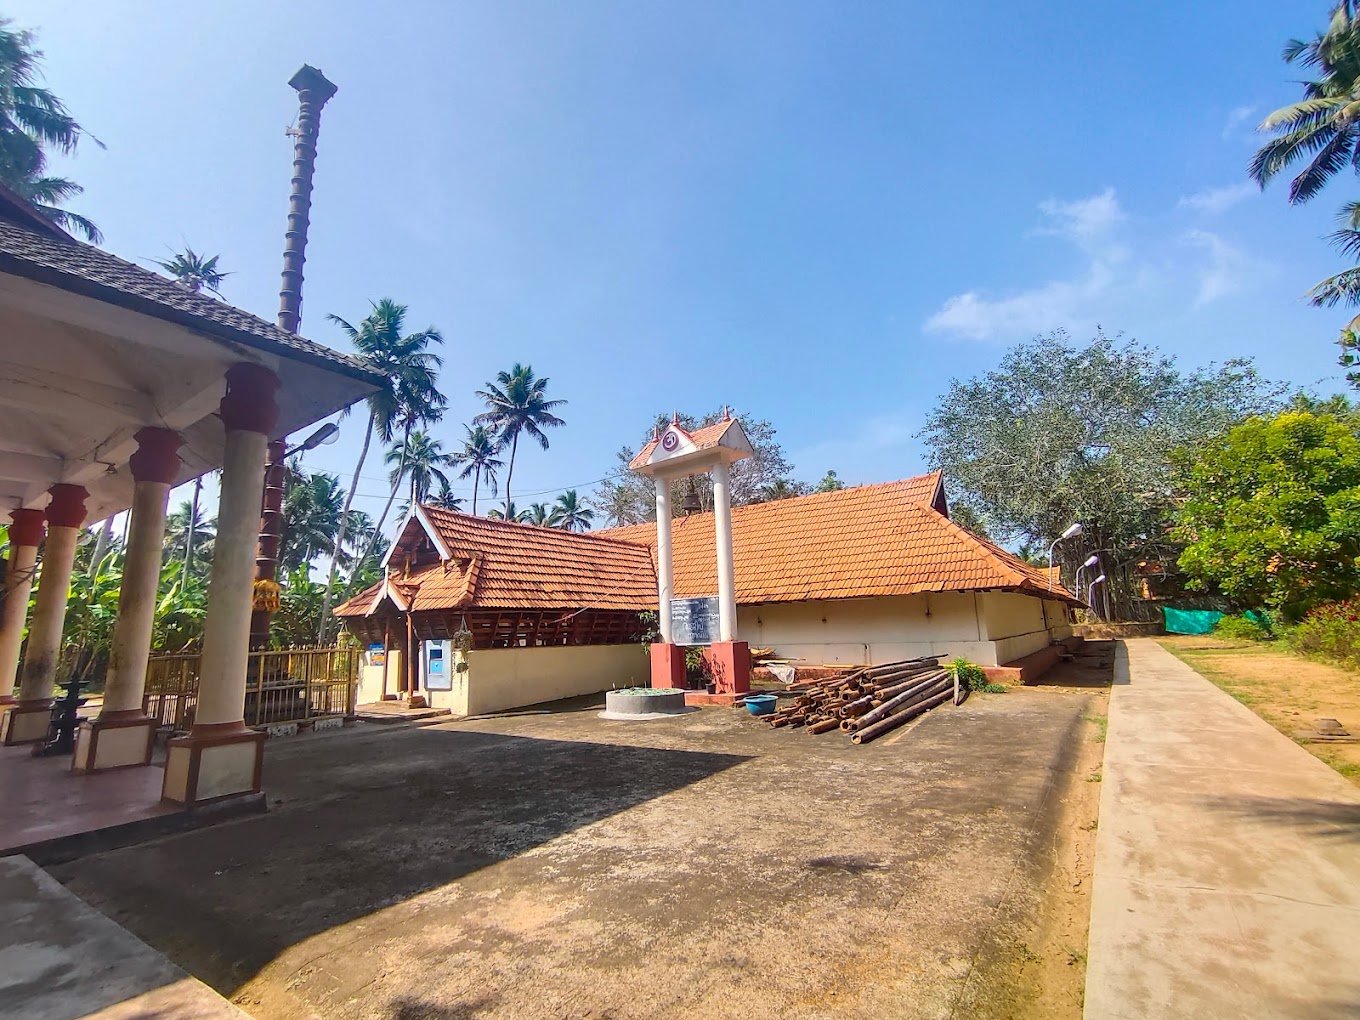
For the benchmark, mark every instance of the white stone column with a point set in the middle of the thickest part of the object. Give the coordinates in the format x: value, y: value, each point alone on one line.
x: 226, y: 629
x: 664, y: 571
x: 221, y: 756
x: 122, y: 734
x: 27, y: 721
x: 25, y: 535
x: 722, y: 523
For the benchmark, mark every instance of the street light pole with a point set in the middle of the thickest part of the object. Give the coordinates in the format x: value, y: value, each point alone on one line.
x: 1072, y: 532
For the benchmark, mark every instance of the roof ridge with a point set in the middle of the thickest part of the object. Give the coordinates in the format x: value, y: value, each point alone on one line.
x: 538, y: 528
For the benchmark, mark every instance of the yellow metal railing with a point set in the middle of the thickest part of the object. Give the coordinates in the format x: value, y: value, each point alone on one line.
x: 291, y: 685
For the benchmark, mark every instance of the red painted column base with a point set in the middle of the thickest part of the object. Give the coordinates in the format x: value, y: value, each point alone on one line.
x: 668, y: 666
x: 729, y: 662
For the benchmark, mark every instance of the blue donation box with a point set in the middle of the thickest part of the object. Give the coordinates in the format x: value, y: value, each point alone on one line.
x: 694, y: 621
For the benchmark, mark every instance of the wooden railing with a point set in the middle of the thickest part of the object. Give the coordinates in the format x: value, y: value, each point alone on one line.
x: 291, y: 685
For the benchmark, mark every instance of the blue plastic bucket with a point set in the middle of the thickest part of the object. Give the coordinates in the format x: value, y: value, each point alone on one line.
x: 761, y: 704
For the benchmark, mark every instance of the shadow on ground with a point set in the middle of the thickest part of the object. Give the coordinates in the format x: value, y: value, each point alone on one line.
x: 1329, y: 819
x: 1091, y: 668
x: 360, y: 823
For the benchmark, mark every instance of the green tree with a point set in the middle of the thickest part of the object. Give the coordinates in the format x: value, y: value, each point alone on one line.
x: 1060, y: 433
x: 509, y: 513
x: 411, y: 395
x: 312, y: 506
x: 479, y: 459
x: 830, y: 483
x: 538, y: 513
x: 569, y: 514
x: 627, y: 497
x: 32, y: 122
x: 782, y: 488
x: 422, y: 461
x: 1319, y: 134
x: 517, y: 402
x: 1271, y: 514
x: 446, y: 500
x: 195, y: 271
x: 188, y: 534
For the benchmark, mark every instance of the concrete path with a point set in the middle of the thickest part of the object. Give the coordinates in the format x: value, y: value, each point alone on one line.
x: 1227, y: 872
x: 60, y: 959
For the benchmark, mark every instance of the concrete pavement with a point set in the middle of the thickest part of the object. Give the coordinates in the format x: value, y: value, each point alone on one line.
x: 61, y: 959
x: 1227, y: 871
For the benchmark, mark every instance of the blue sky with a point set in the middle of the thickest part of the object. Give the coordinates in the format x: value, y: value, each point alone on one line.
x: 817, y: 212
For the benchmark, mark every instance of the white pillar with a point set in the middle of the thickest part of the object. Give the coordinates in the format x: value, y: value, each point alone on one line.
x: 722, y: 523
x: 64, y: 516
x: 27, y: 721
x: 25, y: 535
x: 154, y: 466
x: 664, y: 572
x: 226, y: 628
x: 221, y: 756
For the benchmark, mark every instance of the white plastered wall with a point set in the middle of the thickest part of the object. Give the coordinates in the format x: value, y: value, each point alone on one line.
x: 502, y: 678
x: 1019, y: 625
x: 871, y: 630
x: 370, y: 678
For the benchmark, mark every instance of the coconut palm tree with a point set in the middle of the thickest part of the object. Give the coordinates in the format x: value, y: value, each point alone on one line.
x: 569, y: 515
x: 312, y: 506
x: 410, y: 368
x: 189, y: 535
x: 422, y: 460
x: 517, y: 402
x: 446, y: 500
x: 538, y: 513
x: 195, y: 271
x: 510, y: 513
x: 479, y: 459
x: 32, y: 121
x: 1322, y: 129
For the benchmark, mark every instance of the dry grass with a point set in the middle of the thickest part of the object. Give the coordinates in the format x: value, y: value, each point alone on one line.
x: 1287, y: 691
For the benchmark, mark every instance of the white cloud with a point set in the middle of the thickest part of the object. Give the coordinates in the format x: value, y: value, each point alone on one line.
x: 1056, y: 303
x: 1237, y: 116
x: 1212, y: 201
x: 1223, y: 269
x: 1188, y: 270
x: 1083, y: 219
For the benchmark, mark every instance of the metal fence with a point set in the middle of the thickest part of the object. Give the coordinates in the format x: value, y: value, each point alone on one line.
x: 291, y: 685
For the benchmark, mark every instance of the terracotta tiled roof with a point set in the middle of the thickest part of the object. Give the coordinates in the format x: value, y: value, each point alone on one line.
x: 871, y: 540
x: 59, y: 261
x: 502, y: 565
x: 704, y: 438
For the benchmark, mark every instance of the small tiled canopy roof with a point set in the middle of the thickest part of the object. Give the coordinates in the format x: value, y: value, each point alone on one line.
x: 874, y: 540
x: 704, y: 438
x: 502, y: 565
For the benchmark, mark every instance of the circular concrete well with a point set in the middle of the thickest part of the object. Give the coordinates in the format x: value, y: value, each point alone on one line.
x: 644, y: 703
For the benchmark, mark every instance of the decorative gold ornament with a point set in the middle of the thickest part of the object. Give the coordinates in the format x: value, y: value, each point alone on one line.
x: 265, y: 596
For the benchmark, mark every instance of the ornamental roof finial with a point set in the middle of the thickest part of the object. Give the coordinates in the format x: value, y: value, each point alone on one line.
x: 675, y: 418
x: 727, y: 413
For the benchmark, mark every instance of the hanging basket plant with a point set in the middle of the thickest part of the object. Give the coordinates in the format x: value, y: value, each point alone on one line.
x: 461, y: 642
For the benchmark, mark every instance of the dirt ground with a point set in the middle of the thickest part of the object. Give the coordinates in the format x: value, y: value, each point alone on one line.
x: 552, y: 864
x: 1287, y: 691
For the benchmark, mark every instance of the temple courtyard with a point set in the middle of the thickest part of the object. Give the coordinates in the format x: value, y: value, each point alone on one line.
x: 553, y: 864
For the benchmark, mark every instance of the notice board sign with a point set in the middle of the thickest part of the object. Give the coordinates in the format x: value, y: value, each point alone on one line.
x: 694, y: 621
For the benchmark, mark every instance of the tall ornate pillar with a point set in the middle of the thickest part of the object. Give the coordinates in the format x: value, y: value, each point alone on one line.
x: 123, y: 733
x: 25, y: 535
x: 27, y: 721
x: 728, y: 659
x: 221, y: 756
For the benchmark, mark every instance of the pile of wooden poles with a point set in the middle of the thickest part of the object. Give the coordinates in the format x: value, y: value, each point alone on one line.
x: 870, y: 701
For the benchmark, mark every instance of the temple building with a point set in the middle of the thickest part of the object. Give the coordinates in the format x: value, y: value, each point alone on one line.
x: 500, y: 614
